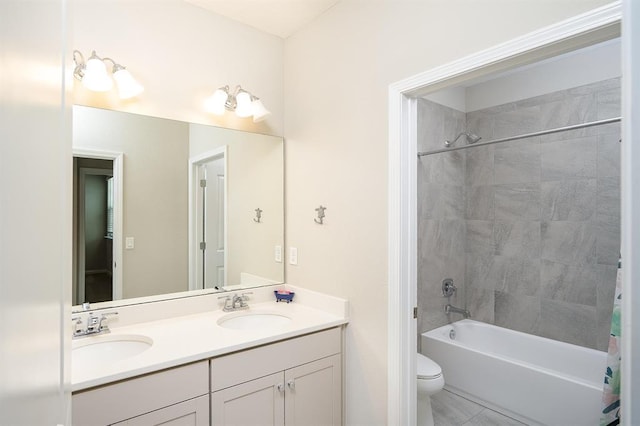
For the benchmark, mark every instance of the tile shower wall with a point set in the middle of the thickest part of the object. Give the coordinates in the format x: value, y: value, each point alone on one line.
x: 535, y: 221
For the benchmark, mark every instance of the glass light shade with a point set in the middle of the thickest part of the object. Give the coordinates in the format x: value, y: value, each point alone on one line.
x: 259, y: 111
x: 215, y: 103
x: 128, y: 87
x: 243, y: 106
x: 96, y: 77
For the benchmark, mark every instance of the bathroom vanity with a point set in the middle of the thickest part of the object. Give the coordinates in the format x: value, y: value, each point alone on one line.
x: 208, y: 368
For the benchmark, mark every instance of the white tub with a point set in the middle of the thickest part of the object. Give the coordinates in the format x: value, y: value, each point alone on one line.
x: 530, y: 378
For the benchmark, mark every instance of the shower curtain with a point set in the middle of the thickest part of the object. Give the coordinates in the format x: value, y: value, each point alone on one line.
x: 611, y: 394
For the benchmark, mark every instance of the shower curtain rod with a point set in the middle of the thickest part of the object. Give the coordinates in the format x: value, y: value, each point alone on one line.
x: 525, y: 135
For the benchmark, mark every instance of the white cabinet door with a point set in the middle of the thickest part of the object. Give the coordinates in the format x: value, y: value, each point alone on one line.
x: 257, y: 402
x: 194, y: 412
x: 313, y: 393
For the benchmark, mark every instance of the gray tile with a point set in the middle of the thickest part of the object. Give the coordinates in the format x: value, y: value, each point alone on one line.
x: 517, y: 239
x: 606, y: 287
x: 518, y: 121
x: 573, y: 200
x: 609, y: 155
x: 441, y: 246
x: 479, y: 202
x: 479, y: 166
x: 608, y: 220
x: 481, y: 123
x: 521, y: 313
x: 573, y: 109
x: 489, y: 417
x: 454, y: 123
x: 603, y: 328
x: 479, y: 236
x: 574, y: 284
x: 517, y: 162
x: 568, y: 322
x: 517, y: 202
x: 608, y: 103
x: 479, y: 271
x: 446, y: 168
x: 481, y: 304
x: 442, y: 201
x: 516, y: 275
x: 570, y: 159
x: 430, y: 130
x: 571, y: 243
x: 607, y: 243
x: 450, y: 409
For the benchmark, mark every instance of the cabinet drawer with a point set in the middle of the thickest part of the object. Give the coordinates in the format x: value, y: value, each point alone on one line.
x: 247, y: 365
x: 139, y: 395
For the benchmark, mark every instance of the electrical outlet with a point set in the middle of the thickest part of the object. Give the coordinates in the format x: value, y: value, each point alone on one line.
x: 129, y: 243
x: 293, y: 255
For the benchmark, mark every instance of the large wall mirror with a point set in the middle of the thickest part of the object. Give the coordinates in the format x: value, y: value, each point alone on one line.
x: 165, y: 209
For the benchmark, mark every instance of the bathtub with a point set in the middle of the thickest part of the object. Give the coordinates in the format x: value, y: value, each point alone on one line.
x: 535, y: 380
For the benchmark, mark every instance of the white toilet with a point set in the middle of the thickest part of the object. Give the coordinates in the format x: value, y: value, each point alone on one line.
x: 430, y: 381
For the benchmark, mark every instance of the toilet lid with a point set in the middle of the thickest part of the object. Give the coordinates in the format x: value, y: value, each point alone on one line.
x: 426, y: 368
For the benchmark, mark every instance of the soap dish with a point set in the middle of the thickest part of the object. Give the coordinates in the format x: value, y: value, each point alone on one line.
x: 285, y: 297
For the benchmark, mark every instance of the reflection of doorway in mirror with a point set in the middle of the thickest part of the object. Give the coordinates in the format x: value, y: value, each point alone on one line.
x: 93, y: 220
x: 210, y: 208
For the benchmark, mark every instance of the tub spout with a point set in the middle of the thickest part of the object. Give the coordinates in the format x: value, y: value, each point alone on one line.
x: 450, y: 308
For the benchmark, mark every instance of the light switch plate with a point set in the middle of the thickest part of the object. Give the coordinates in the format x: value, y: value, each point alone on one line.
x: 129, y: 243
x: 278, y: 254
x: 293, y: 255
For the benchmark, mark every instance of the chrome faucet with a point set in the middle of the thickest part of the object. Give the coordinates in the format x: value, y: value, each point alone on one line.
x: 95, y: 324
x: 448, y: 308
x: 235, y: 302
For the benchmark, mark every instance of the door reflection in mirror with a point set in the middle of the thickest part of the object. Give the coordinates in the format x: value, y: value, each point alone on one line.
x: 210, y: 210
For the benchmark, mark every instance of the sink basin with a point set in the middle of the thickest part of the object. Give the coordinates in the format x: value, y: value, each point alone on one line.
x: 253, y: 320
x: 108, y: 349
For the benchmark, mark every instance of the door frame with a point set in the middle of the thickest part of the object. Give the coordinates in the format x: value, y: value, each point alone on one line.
x: 194, y: 162
x: 582, y: 30
x: 118, y: 210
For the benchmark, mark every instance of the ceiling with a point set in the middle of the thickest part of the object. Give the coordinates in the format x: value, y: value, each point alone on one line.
x: 278, y: 17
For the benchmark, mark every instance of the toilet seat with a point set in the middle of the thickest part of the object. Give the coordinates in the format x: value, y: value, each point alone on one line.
x: 426, y: 368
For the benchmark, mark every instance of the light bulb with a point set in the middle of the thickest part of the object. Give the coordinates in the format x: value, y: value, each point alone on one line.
x: 128, y: 87
x: 243, y: 106
x: 95, y: 75
x: 259, y: 111
x: 215, y: 103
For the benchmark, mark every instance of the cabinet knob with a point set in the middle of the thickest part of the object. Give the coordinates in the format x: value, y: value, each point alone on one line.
x: 292, y: 384
x: 280, y: 387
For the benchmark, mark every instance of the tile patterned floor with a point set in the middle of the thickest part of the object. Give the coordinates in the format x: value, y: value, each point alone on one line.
x: 450, y: 409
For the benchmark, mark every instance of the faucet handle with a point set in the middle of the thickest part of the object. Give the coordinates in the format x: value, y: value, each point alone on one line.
x: 77, y: 326
x: 104, y: 316
x: 227, y: 299
x: 245, y: 296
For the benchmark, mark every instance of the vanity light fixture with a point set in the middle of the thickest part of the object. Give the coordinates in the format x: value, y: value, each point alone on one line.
x: 94, y: 75
x: 243, y: 103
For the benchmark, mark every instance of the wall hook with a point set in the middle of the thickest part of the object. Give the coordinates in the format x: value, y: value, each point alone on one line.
x: 258, y: 215
x: 321, y: 215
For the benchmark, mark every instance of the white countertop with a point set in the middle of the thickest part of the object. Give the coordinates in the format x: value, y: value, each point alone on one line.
x: 184, y: 339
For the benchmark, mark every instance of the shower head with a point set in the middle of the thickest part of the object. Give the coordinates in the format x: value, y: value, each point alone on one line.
x: 471, y: 138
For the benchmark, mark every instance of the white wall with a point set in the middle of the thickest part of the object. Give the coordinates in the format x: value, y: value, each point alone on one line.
x: 180, y: 53
x: 337, y: 72
x: 35, y: 214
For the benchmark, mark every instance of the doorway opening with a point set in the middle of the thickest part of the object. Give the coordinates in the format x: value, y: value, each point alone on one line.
x: 581, y: 31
